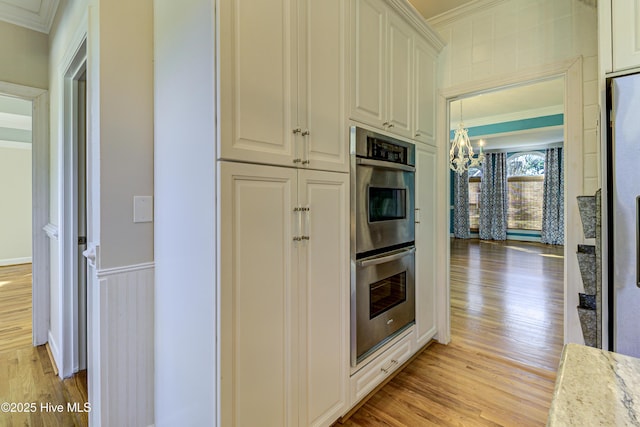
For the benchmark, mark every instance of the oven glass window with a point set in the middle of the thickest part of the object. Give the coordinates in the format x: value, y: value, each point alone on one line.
x: 387, y: 293
x: 386, y: 204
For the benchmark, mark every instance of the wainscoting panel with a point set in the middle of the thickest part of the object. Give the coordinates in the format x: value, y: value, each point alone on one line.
x: 125, y: 360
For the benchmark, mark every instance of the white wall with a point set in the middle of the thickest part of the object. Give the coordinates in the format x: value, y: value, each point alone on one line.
x: 185, y: 240
x: 24, y: 56
x: 15, y: 215
x: 524, y: 36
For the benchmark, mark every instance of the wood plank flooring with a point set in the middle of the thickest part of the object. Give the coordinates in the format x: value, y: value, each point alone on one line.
x: 26, y: 372
x: 500, y: 367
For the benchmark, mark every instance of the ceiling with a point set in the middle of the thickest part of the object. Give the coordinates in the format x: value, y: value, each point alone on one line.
x: 539, y: 99
x: 33, y: 14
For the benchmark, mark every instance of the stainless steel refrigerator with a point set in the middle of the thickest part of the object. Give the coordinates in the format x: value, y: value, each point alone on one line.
x: 623, y: 204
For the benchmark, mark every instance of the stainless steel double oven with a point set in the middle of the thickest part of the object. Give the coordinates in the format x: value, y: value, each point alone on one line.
x: 382, y: 240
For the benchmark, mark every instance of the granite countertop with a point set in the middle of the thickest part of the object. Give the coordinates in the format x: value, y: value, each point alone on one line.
x: 596, y: 388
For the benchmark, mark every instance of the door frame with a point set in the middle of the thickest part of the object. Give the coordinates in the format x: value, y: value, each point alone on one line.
x: 76, y: 67
x: 571, y: 70
x: 40, y: 259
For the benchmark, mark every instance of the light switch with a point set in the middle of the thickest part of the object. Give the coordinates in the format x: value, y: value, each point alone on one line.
x: 142, y: 208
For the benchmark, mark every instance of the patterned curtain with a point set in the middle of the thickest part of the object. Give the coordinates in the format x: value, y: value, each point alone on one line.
x: 461, y: 205
x: 493, y: 197
x: 553, y: 201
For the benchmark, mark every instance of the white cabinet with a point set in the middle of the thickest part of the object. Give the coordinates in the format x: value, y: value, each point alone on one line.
x: 381, y: 67
x: 400, y: 85
x: 625, y: 24
x: 376, y: 371
x: 425, y: 75
x: 284, y: 283
x: 282, y: 72
x: 425, y: 243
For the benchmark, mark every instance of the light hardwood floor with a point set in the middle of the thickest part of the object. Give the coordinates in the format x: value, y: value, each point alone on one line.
x: 26, y: 372
x: 500, y: 367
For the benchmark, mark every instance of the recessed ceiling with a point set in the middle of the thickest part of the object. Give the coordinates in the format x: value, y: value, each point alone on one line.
x: 33, y: 14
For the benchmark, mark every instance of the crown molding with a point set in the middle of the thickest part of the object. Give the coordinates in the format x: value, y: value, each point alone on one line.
x: 40, y: 21
x: 462, y: 11
x: 410, y: 14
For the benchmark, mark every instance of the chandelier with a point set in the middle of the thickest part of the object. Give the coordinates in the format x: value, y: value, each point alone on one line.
x: 461, y: 156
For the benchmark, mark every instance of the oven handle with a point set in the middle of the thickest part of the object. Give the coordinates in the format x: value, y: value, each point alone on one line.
x: 387, y: 258
x: 384, y: 165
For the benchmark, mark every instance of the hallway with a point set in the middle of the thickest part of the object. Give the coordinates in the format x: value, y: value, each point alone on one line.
x: 27, y: 377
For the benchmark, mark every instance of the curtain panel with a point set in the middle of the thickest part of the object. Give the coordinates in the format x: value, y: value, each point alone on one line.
x: 553, y: 199
x: 493, y: 197
x: 461, y: 205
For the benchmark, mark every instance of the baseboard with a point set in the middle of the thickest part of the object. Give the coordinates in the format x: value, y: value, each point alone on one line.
x: 53, y: 350
x: 53, y: 362
x: 15, y: 261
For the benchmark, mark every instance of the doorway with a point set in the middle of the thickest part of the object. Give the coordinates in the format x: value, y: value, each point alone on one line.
x: 15, y: 223
x: 571, y: 71
x: 507, y: 287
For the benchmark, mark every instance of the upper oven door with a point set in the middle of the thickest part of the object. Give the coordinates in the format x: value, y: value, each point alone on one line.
x: 384, y: 205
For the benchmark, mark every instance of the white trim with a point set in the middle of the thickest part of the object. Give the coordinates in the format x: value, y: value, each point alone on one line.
x: 410, y: 14
x: 571, y: 71
x: 51, y: 230
x: 14, y: 261
x: 40, y: 21
x: 108, y: 272
x: 462, y: 11
x: 73, y: 65
x: 15, y: 145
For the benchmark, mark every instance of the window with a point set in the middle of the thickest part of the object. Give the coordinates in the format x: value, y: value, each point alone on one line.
x: 525, y: 190
x: 475, y: 175
x: 525, y: 187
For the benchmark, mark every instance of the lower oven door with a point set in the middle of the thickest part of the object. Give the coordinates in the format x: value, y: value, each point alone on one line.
x: 384, y: 299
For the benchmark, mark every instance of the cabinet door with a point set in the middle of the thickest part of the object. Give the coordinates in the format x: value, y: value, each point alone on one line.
x: 324, y: 303
x: 258, y: 71
x: 425, y: 92
x: 368, y: 62
x: 626, y: 34
x: 259, y: 295
x: 400, y: 85
x: 425, y: 243
x: 323, y: 91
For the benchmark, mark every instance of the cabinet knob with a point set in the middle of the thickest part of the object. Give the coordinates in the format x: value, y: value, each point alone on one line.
x: 305, y: 132
x: 390, y: 125
x: 297, y: 130
x: 297, y: 160
x: 385, y: 124
x: 418, y: 134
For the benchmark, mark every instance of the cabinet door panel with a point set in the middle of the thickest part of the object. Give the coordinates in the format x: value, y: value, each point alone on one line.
x: 325, y: 87
x: 258, y: 296
x: 425, y: 243
x: 325, y: 296
x: 400, y: 76
x: 425, y: 93
x: 626, y: 34
x: 368, y: 62
x: 258, y: 70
